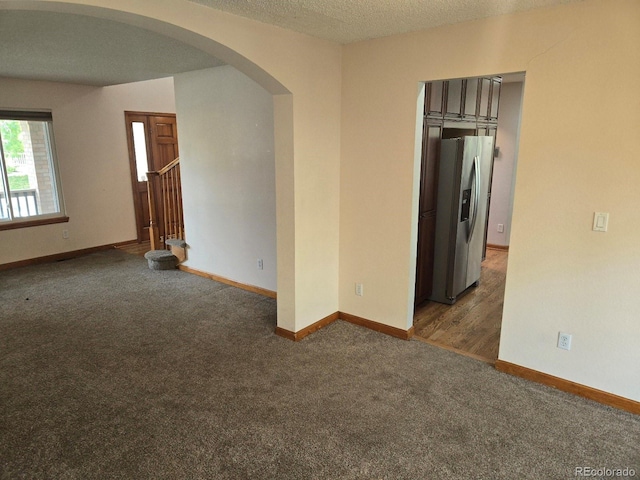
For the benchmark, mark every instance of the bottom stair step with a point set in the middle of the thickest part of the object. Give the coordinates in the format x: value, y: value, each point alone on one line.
x: 176, y: 242
x: 161, y: 260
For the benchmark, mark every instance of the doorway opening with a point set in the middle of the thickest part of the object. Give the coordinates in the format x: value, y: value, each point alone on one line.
x: 228, y: 50
x: 491, y: 106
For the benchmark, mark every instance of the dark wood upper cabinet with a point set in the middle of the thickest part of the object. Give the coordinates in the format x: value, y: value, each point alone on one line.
x: 485, y: 92
x: 471, y: 98
x: 453, y: 98
x: 435, y: 99
x: 496, y: 83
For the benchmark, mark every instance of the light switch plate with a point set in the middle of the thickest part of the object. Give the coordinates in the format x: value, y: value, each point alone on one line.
x: 600, y: 221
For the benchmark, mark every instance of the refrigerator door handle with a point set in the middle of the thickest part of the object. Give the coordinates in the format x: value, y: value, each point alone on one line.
x: 476, y: 201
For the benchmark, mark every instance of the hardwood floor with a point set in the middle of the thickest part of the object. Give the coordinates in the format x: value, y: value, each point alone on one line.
x: 472, y: 325
x: 136, y: 248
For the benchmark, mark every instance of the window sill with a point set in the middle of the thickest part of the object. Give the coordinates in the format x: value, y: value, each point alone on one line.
x: 33, y: 223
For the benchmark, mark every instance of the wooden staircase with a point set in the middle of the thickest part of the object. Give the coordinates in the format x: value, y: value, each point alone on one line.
x: 166, y: 228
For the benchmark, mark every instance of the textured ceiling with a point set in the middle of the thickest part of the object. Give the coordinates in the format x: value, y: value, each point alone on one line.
x: 346, y: 21
x: 90, y: 51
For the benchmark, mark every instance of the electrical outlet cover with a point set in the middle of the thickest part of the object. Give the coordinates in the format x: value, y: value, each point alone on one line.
x: 564, y: 341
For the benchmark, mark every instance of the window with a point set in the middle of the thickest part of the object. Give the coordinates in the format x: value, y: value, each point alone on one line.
x: 30, y: 192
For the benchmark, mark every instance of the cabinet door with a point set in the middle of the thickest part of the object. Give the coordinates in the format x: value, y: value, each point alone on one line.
x: 454, y: 98
x: 471, y: 97
x: 485, y: 92
x: 496, y: 83
x: 424, y: 264
x: 428, y: 175
x: 435, y: 99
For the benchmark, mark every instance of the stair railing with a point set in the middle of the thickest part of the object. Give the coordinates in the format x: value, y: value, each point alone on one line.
x: 165, y: 205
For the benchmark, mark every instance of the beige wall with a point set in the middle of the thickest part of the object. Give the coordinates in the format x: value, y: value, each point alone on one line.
x: 577, y: 155
x: 504, y: 164
x: 91, y: 146
x: 225, y: 125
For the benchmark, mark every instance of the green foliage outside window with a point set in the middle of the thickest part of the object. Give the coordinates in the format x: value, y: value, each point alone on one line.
x: 19, y: 182
x: 10, y: 131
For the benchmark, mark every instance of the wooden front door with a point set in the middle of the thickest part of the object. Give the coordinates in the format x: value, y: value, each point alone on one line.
x: 153, y: 143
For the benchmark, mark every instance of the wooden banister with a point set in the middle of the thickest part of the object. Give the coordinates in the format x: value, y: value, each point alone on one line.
x: 168, y: 166
x: 165, y: 192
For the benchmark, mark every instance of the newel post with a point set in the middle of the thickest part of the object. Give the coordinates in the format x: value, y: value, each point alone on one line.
x: 154, y: 233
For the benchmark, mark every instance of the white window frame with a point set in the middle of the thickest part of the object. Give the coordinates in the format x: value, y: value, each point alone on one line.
x: 39, y: 219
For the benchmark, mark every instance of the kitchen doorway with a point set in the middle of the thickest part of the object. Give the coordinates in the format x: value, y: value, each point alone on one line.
x: 471, y: 325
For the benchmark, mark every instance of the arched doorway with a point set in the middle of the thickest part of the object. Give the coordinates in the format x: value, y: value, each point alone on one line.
x: 153, y: 18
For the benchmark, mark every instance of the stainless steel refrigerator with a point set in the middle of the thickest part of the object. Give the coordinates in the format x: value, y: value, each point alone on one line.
x: 461, y: 214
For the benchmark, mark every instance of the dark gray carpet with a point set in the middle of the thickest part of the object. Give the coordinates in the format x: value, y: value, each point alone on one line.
x: 110, y: 370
